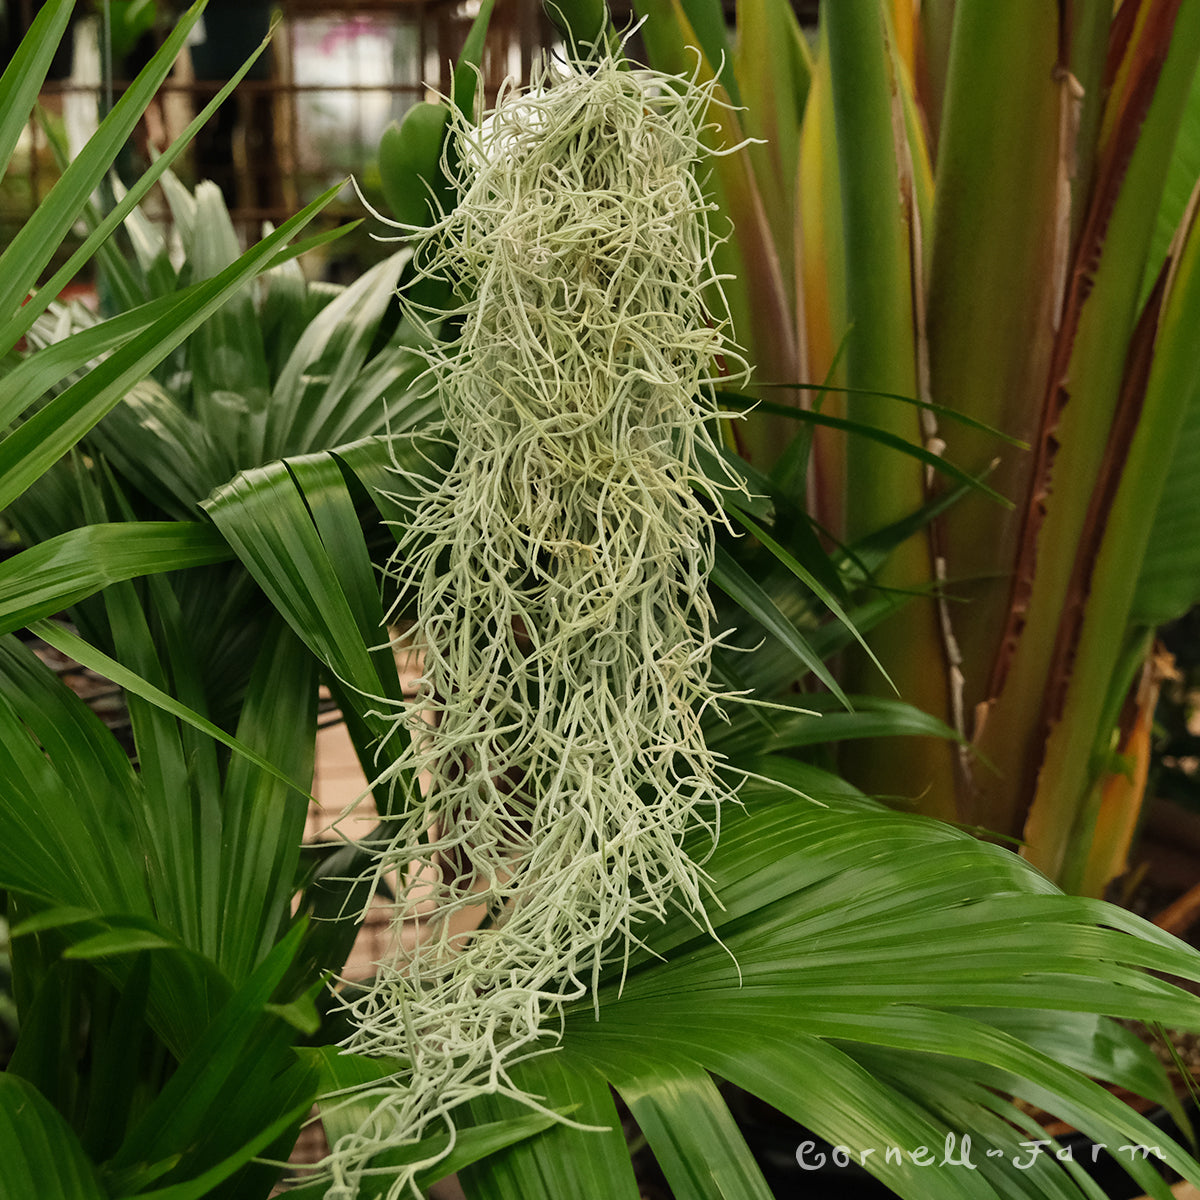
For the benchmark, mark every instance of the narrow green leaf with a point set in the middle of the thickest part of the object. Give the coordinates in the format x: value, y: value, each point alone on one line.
x: 101, y: 228
x: 89, y: 656
x: 203, y: 1184
x: 740, y: 587
x: 50, y: 432
x: 682, y: 1115
x: 264, y: 516
x: 342, y: 1070
x: 478, y: 1143
x: 808, y: 579
x: 320, y: 480
x: 53, y: 918
x: 262, y: 820
x: 25, y: 72
x: 881, y: 344
x: 307, y: 399
x: 388, y: 395
x: 42, y: 1157
x: 893, y: 441
x: 740, y: 401
x: 89, y: 808
x: 25, y: 256
x: 119, y: 941
x: 50, y: 997
x: 1169, y: 581
x: 180, y: 1111
x: 384, y: 465
x: 166, y: 453
x: 178, y: 774
x: 815, y: 782
x: 1081, y: 1040
x: 585, y: 1164
x: 120, y: 1047
x: 48, y: 839
x: 840, y: 1101
x: 772, y: 67
x: 996, y: 1125
x: 230, y: 374
x: 36, y: 374
x: 820, y: 719
x: 53, y: 575
x: 1182, y: 173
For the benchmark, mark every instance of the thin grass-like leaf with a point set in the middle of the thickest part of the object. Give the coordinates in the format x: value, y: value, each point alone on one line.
x: 42, y: 1156
x: 740, y: 586
x: 743, y: 402
x: 563, y: 1161
x: 894, y: 441
x: 26, y: 71
x: 89, y: 656
x: 101, y: 229
x: 820, y: 719
x: 49, y: 433
x: 808, y: 579
x: 25, y: 256
x: 53, y: 575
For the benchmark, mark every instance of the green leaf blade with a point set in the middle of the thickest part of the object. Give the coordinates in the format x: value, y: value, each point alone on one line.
x: 55, y: 574
x: 42, y: 1157
x: 28, y: 451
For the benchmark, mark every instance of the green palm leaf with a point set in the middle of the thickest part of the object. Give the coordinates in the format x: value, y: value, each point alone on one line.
x: 28, y: 451
x: 23, y: 77
x: 42, y: 1156
x: 56, y: 574
x: 591, y: 1164
x: 25, y: 256
x: 850, y: 933
x: 683, y: 1117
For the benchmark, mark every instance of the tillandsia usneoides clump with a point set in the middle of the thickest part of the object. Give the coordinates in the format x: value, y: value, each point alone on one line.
x: 559, y: 574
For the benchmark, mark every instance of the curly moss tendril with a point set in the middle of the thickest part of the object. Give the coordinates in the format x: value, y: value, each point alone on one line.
x: 559, y: 573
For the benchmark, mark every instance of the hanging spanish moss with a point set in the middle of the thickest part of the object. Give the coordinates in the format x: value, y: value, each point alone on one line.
x: 558, y: 572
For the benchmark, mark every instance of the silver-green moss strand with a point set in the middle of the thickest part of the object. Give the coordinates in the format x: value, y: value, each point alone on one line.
x: 559, y: 572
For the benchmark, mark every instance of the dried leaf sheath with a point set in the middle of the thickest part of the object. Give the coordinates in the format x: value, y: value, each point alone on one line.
x: 559, y: 574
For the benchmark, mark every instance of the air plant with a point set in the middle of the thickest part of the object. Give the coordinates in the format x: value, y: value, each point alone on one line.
x: 558, y: 572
